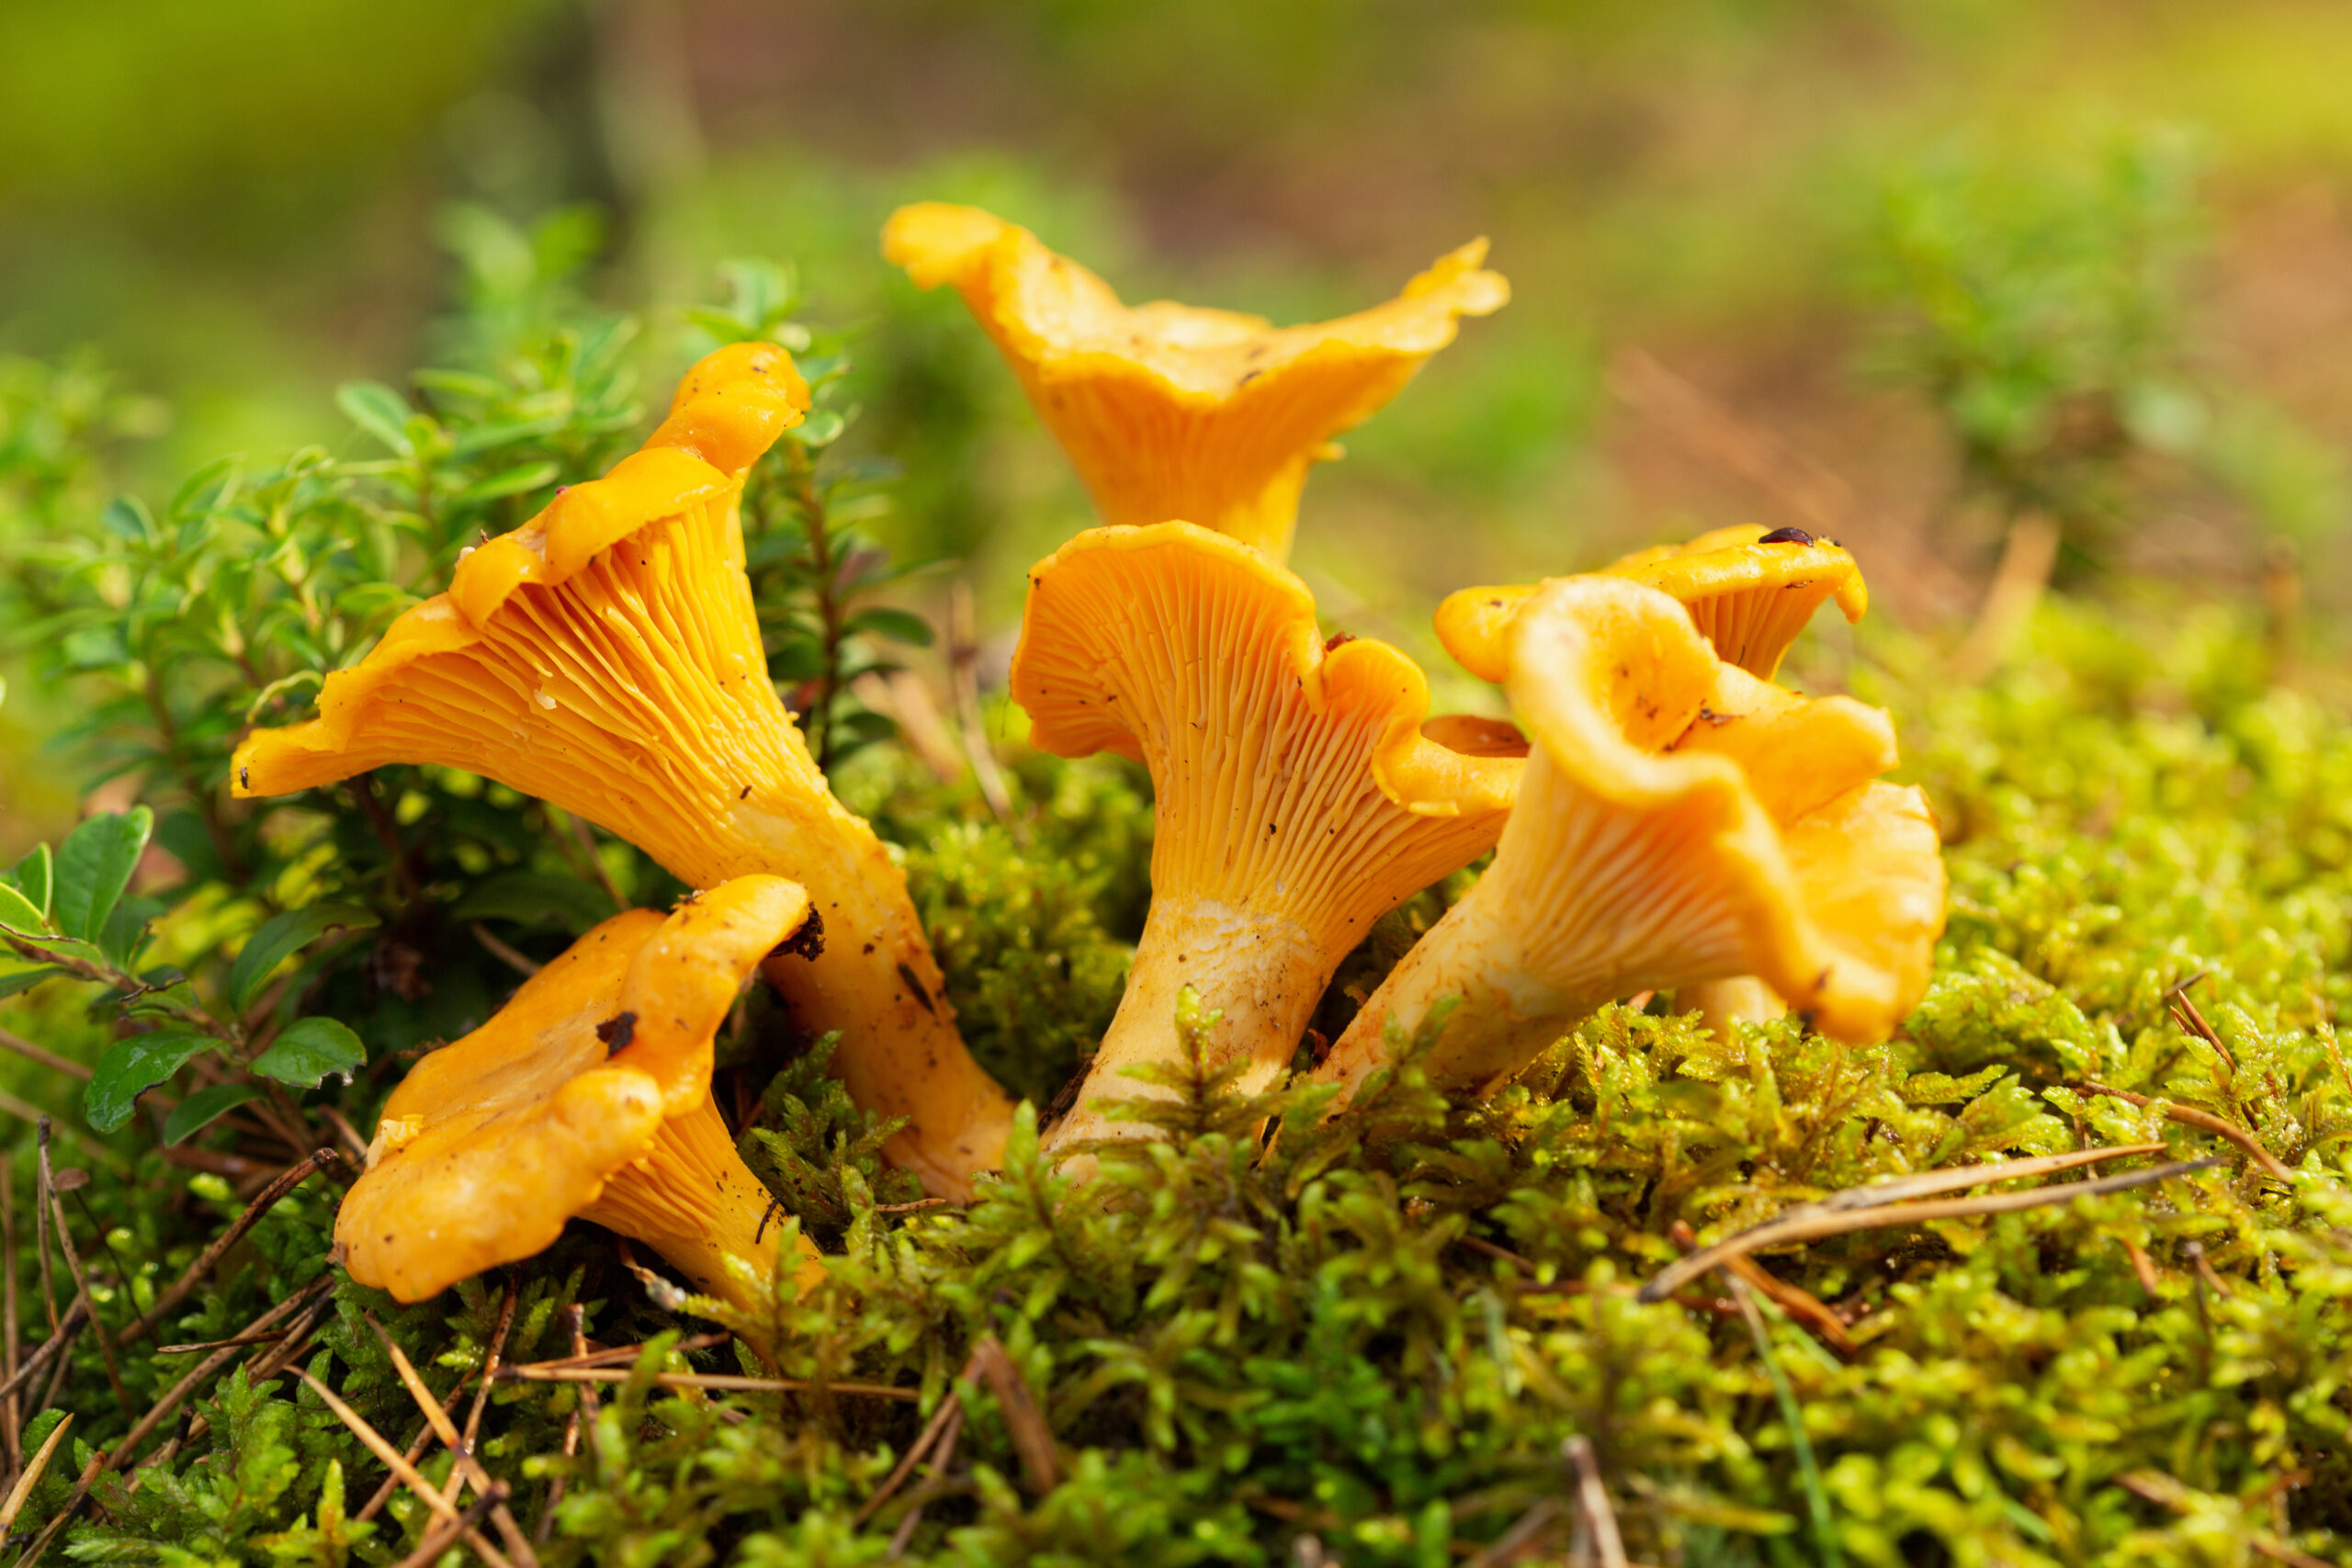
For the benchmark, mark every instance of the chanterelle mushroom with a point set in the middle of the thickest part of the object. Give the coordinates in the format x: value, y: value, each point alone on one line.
x: 1749, y: 591
x: 606, y: 657
x: 1173, y: 411
x: 1274, y: 762
x: 1678, y: 821
x: 588, y: 1095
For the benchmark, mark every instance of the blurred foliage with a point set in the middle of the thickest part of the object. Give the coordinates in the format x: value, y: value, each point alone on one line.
x: 1368, y: 1342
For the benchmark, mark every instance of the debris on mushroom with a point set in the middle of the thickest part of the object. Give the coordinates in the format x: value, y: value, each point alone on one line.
x: 1653, y: 848
x: 1276, y: 768
x: 1750, y: 593
x: 1175, y: 410
x: 606, y: 657
x: 586, y: 1095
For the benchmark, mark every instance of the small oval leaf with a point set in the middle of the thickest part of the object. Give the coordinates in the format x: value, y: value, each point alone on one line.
x: 94, y: 866
x: 378, y: 409
x: 200, y: 1110
x: 129, y: 1068
x: 282, y: 936
x: 308, y: 1049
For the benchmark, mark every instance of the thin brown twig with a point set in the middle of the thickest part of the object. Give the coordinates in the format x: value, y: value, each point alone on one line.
x: 619, y: 1355
x: 587, y: 1404
x: 208, y: 1346
x: 56, y: 1527
x: 466, y: 1526
x: 1819, y: 1225
x: 2184, y: 1012
x: 913, y: 1456
x: 82, y: 1280
x: 195, y: 1273
x: 727, y: 1381
x: 76, y: 1312
x: 207, y: 1370
x: 1592, y: 1503
x: 488, y: 1373
x: 438, y: 1419
x: 2204, y: 1122
x: 1033, y: 1439
x: 47, y: 1058
x: 963, y: 667
x: 12, y: 1408
x: 417, y: 1444
x: 410, y: 1476
x: 512, y: 958
x: 933, y: 1484
x: 1800, y: 1305
x: 31, y: 1477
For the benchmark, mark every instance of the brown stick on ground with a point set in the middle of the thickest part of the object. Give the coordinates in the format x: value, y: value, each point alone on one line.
x: 210, y: 1367
x: 50, y: 1059
x: 1033, y: 1439
x: 427, y: 1492
x: 194, y: 1275
x: 1814, y: 1221
x: 444, y: 1428
x: 81, y: 1280
x: 12, y: 1408
x: 586, y: 1405
x: 56, y: 1527
x: 2204, y: 1122
x: 1592, y: 1503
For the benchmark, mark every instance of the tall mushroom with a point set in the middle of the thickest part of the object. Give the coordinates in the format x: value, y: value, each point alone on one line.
x: 1275, y: 764
x: 587, y: 1095
x: 606, y: 657
x: 1750, y: 593
x: 1174, y: 410
x: 1680, y: 821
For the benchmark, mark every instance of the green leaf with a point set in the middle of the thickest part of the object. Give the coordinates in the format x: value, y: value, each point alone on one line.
x: 126, y: 517
x: 25, y: 980
x: 898, y: 626
x: 721, y: 324
x: 282, y: 936
x: 822, y: 428
x: 513, y: 482
x: 211, y: 487
x: 94, y: 866
x: 378, y: 409
x: 308, y: 1050
x: 200, y: 1110
x: 31, y: 877
x: 129, y: 1068
x: 17, y: 912
x: 535, y: 898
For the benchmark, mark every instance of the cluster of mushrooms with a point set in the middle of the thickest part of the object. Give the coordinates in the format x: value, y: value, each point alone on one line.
x: 1663, y: 817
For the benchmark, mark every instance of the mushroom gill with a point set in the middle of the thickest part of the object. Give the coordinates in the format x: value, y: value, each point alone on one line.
x: 588, y: 1096
x: 1275, y: 762
x: 1175, y: 410
x: 1680, y: 821
x: 1749, y: 592
x: 606, y: 657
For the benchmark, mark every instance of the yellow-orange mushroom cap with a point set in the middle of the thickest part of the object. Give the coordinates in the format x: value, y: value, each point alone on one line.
x: 1749, y: 592
x: 588, y: 1096
x: 1276, y: 765
x: 606, y: 657
x: 1640, y: 854
x: 1175, y: 410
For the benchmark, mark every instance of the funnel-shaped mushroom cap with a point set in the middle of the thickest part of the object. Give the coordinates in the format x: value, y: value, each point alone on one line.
x: 1750, y: 593
x: 606, y: 657
x: 588, y: 1094
x: 1172, y: 411
x: 1641, y: 854
x: 1275, y: 766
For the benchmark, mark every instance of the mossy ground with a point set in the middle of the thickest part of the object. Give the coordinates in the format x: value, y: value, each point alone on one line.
x: 1375, y: 1339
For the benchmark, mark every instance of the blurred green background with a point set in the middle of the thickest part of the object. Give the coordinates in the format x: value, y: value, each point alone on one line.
x: 1915, y: 268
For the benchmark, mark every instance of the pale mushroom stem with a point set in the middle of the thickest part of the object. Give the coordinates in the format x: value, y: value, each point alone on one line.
x: 1630, y: 909
x: 1266, y: 973
x: 1725, y: 1004
x: 692, y: 1199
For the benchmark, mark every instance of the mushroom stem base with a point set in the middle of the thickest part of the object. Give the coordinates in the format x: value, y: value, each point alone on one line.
x: 1263, y: 973
x: 691, y: 1198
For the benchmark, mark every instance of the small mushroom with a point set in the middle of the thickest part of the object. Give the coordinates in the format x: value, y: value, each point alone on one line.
x: 587, y: 1096
x: 1749, y: 592
x: 1173, y: 411
x: 1275, y: 767
x: 1652, y: 847
x: 605, y: 656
